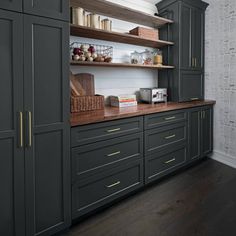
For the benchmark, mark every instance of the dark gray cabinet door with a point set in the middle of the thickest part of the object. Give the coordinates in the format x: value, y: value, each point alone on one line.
x: 191, y: 85
x: 56, y: 9
x: 46, y: 99
x: 186, y: 37
x: 194, y: 148
x: 207, y: 130
x: 11, y: 103
x: 14, y: 5
x: 198, y: 38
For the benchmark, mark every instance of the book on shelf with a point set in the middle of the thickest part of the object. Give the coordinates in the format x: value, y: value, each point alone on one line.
x: 124, y: 104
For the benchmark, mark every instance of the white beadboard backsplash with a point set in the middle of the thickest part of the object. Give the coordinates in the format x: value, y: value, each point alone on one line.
x: 116, y: 81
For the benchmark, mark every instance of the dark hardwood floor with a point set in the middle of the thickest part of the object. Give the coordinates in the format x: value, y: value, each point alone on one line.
x: 198, y: 201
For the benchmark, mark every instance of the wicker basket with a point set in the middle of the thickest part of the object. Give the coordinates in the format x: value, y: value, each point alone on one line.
x: 86, y: 103
x: 145, y: 33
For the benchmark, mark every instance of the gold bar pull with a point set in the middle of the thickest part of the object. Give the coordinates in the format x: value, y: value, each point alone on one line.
x: 30, y: 128
x: 21, y: 130
x: 195, y: 62
x: 193, y: 99
x: 171, y: 160
x: 113, y: 154
x: 113, y: 130
x: 113, y: 185
x: 171, y: 136
x: 170, y: 118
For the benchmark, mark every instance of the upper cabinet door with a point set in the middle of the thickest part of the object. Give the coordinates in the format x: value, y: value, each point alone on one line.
x: 186, y: 37
x: 46, y: 101
x: 14, y: 5
x: 56, y: 9
x: 198, y: 38
x: 11, y: 125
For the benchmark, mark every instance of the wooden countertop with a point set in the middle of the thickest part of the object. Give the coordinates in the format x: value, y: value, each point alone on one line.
x: 114, y: 113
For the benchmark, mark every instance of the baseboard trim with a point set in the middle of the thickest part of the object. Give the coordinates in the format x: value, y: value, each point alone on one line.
x: 223, y: 158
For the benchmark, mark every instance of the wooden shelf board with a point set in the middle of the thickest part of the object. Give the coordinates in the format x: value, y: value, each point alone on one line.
x: 82, y: 31
x: 120, y: 12
x: 105, y: 64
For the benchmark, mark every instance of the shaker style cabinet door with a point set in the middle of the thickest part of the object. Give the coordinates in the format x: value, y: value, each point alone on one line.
x: 56, y: 9
x: 47, y: 154
x: 11, y: 125
x: 13, y: 5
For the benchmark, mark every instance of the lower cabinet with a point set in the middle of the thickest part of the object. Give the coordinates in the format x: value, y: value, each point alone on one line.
x: 200, y: 132
x: 138, y: 151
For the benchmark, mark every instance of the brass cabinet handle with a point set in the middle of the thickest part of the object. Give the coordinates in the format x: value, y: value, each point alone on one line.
x: 30, y: 128
x: 113, y: 185
x: 195, y: 62
x: 171, y: 160
x: 193, y: 99
x: 21, y: 129
x: 170, y: 118
x: 113, y: 154
x: 171, y: 136
x: 113, y: 130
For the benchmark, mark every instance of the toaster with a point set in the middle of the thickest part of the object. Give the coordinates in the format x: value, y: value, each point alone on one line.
x: 153, y: 95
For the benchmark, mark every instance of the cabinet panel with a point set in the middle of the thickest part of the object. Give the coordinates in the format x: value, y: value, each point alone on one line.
x: 56, y: 9
x: 191, y: 86
x: 14, y: 5
x: 11, y: 103
x: 91, y: 158
x: 207, y: 130
x: 98, y: 190
x: 186, y: 37
x: 46, y: 96
x: 195, y: 134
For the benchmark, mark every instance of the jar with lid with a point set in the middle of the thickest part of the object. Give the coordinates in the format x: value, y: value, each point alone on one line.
x: 136, y: 58
x: 147, y: 57
x: 158, y: 58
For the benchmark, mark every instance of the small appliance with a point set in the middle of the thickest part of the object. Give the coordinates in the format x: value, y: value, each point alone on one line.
x: 153, y: 95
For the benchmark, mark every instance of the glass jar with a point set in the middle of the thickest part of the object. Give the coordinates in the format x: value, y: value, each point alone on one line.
x: 147, y: 57
x: 136, y: 58
x: 158, y: 58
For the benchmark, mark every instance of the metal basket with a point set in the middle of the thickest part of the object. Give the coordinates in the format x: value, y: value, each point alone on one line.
x: 101, y: 50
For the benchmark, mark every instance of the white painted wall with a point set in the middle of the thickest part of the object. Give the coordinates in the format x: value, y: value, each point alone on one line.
x: 116, y: 81
x: 221, y: 75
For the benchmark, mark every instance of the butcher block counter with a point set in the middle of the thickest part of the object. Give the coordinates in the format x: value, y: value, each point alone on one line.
x: 114, y: 113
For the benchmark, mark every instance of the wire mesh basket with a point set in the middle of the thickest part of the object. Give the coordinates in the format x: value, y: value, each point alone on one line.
x: 91, y: 52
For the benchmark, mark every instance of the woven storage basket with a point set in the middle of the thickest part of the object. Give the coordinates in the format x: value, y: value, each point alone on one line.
x: 86, y: 103
x: 145, y: 33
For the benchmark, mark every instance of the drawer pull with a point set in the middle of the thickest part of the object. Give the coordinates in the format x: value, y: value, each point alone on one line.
x: 193, y: 99
x: 171, y: 160
x: 113, y: 185
x: 113, y: 154
x: 113, y: 130
x: 170, y: 118
x: 171, y: 136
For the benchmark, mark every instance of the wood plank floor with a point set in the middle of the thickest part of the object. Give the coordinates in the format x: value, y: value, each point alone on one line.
x: 199, y: 201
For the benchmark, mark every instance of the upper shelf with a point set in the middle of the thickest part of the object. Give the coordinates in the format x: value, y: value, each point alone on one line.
x: 87, y: 32
x: 120, y: 12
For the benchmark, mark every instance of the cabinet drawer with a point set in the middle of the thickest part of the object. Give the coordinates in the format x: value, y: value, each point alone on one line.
x: 90, y: 158
x: 171, y: 135
x: 97, y: 132
x: 158, y: 165
x: 98, y: 190
x: 166, y: 118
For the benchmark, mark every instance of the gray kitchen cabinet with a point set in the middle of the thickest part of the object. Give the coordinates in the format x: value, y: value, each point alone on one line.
x: 200, y: 132
x: 12, y: 222
x: 186, y: 81
x: 46, y: 99
x: 13, y: 5
x: 56, y: 9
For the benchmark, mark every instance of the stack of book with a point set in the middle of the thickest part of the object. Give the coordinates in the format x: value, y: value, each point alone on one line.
x: 123, y: 101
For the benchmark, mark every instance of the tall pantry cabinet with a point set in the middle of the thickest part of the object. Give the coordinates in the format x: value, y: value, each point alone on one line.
x: 186, y: 81
x: 34, y: 120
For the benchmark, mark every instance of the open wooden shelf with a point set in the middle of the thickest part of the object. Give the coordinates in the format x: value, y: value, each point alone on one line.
x: 87, y: 32
x: 120, y: 12
x: 105, y: 64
